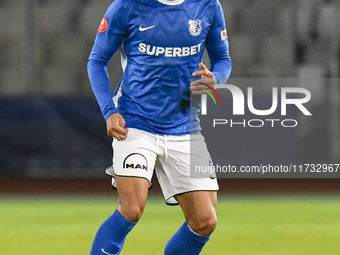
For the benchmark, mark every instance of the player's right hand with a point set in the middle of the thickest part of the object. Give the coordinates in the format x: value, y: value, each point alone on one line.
x: 115, y: 125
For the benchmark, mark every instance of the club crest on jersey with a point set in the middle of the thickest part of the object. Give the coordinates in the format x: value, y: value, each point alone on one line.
x: 195, y: 28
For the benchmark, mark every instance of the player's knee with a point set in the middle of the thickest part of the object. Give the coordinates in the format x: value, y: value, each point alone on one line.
x: 132, y: 212
x: 204, y: 225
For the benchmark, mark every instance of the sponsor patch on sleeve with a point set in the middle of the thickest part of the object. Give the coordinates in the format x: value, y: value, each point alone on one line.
x: 224, y: 34
x: 103, y: 25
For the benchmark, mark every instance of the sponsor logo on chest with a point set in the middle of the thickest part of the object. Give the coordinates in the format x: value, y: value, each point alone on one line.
x: 195, y: 29
x: 169, y: 52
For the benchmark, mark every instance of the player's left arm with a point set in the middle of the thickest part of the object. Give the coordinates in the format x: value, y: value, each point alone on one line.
x: 217, y: 46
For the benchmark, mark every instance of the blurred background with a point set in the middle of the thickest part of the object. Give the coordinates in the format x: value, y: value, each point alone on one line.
x: 54, y: 148
x: 51, y: 126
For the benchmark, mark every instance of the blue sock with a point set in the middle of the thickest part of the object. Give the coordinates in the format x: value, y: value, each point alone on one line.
x: 185, y: 242
x: 111, y: 235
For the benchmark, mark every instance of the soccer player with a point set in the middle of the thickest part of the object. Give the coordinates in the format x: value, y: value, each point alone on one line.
x: 161, y: 44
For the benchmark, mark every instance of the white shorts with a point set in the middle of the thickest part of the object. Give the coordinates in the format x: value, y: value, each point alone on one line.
x: 142, y: 153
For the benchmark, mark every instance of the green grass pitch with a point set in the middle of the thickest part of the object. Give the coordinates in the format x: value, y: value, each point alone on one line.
x: 247, y: 225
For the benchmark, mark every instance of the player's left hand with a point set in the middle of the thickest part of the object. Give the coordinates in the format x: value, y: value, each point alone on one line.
x: 207, y: 79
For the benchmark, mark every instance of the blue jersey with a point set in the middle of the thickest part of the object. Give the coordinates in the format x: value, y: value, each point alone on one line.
x: 161, y: 43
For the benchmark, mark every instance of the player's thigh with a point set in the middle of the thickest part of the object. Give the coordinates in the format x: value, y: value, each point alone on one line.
x: 133, y: 164
x: 199, y: 208
x: 132, y: 196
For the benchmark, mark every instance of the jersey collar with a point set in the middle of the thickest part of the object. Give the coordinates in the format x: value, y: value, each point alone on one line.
x: 171, y: 2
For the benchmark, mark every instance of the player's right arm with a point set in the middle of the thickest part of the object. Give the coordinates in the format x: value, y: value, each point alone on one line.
x: 97, y: 70
x: 110, y: 36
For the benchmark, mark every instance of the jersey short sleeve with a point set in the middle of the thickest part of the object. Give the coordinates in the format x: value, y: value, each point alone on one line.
x: 113, y: 27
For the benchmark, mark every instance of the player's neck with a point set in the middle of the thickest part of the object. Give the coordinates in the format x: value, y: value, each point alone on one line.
x: 171, y: 2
